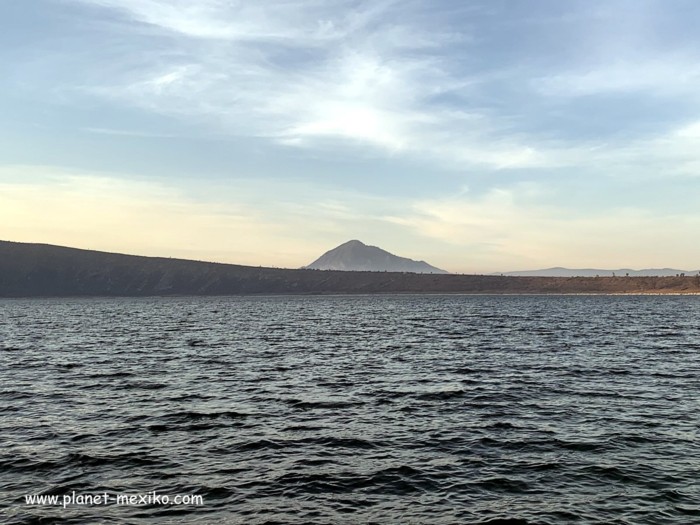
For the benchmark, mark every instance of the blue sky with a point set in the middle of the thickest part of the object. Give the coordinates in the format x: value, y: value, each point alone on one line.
x: 478, y: 135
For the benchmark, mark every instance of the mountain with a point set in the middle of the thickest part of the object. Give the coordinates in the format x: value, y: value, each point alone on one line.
x: 355, y: 256
x: 43, y: 270
x: 593, y: 272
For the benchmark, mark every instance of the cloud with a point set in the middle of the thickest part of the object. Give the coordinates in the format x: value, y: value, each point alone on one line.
x: 236, y: 20
x: 359, y: 76
x: 660, y: 76
x: 578, y: 102
x: 98, y: 211
x: 518, y: 227
x: 127, y: 133
x: 509, y: 227
x: 475, y: 87
x: 238, y: 222
x: 672, y: 153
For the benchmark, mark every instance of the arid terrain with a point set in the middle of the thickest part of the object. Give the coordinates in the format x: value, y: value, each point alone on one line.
x: 41, y: 270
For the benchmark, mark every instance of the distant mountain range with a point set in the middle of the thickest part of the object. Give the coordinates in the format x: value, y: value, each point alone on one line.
x: 593, y: 272
x: 355, y: 256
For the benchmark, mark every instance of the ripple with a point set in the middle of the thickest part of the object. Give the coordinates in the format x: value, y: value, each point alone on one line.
x: 374, y: 409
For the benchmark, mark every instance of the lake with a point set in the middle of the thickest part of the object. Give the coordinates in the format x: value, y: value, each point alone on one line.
x: 434, y: 409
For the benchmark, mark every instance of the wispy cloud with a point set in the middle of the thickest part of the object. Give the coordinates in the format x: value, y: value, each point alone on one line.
x: 306, y: 21
x: 515, y: 227
x: 662, y: 76
x: 239, y: 222
x: 315, y: 74
x: 466, y: 86
x: 294, y: 102
x: 128, y: 133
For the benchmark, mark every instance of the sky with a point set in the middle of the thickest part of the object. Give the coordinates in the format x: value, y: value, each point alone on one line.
x: 479, y: 135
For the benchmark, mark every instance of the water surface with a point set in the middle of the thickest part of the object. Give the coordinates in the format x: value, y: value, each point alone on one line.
x: 360, y: 409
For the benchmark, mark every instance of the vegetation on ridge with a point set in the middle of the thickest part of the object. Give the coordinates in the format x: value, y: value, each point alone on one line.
x: 32, y: 270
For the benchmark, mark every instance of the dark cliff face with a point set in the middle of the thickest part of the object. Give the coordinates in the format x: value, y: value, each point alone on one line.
x: 357, y: 256
x: 33, y: 270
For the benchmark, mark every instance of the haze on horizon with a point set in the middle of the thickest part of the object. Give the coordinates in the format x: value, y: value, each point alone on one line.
x: 480, y: 136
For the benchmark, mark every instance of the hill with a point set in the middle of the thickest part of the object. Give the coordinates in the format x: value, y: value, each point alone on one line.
x: 41, y: 270
x: 356, y: 256
x: 593, y: 272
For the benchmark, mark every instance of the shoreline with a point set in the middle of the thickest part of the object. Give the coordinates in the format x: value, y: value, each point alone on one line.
x: 359, y: 294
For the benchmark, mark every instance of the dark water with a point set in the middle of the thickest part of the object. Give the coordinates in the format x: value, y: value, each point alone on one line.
x: 397, y: 409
